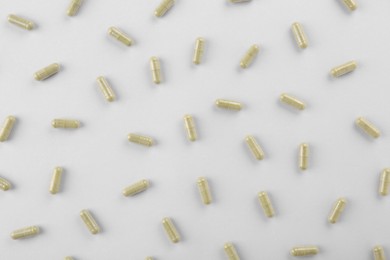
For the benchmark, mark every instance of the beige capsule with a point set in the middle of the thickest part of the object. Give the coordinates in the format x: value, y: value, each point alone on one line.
x: 106, y: 89
x: 304, y: 251
x: 337, y: 209
x: 384, y: 182
x: 164, y: 7
x: 7, y: 128
x: 155, y: 67
x: 379, y: 253
x: 199, y: 50
x: 69, y: 258
x: 292, y: 101
x: 140, y: 139
x: 231, y: 251
x: 74, y: 7
x: 25, y: 232
x: 303, y: 156
x: 5, y: 184
x: 350, y: 4
x: 149, y: 258
x: 189, y: 124
x: 228, y: 104
x: 47, y: 72
x: 367, y: 127
x: 204, y: 190
x: 55, y: 183
x: 136, y: 188
x: 65, y: 123
x: 343, y: 69
x: 255, y: 148
x: 89, y: 221
x: 21, y: 22
x: 266, y: 204
x: 299, y: 35
x: 249, y: 56
x: 170, y: 230
x: 239, y: 1
x: 120, y: 36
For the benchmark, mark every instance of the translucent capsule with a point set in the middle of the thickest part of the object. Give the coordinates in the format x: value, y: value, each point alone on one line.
x: 303, y: 156
x: 379, y: 253
x: 239, y: 1
x: 7, y: 128
x: 254, y: 147
x: 350, y: 4
x: 163, y: 7
x: 120, y: 36
x: 299, y: 35
x: 106, y: 89
x: 368, y: 127
x: 74, y: 7
x: 199, y: 50
x: 55, y: 183
x: 304, y: 251
x: 343, y: 69
x: 204, y: 190
x: 136, y: 188
x: 250, y: 55
x: 228, y: 104
x: 155, y: 67
x: 384, y: 182
x: 21, y: 22
x: 171, y: 230
x: 338, y: 208
x: 65, y: 123
x: 90, y: 222
x: 149, y: 258
x: 69, y: 258
x: 190, y: 128
x: 266, y: 204
x: 47, y: 72
x: 231, y: 251
x: 292, y: 101
x: 5, y: 184
x: 25, y: 232
x: 140, y: 139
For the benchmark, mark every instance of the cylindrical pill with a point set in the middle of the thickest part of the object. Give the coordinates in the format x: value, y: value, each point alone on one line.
x: 231, y: 251
x: 368, y: 127
x: 149, y: 258
x: 350, y: 4
x: 155, y: 67
x: 239, y: 1
x: 69, y: 258
x: 89, y: 222
x: 74, y: 7
x: 21, y: 22
x: 343, y: 69
x: 190, y: 128
x: 303, y: 156
x: 304, y: 251
x: 7, y: 128
x: 5, y: 184
x: 379, y: 253
x: 140, y: 139
x: 292, y: 101
x: 136, y: 188
x: 106, y: 89
x: 164, y: 6
x: 338, y: 208
x: 47, y: 72
x: 204, y: 190
x: 120, y: 36
x: 55, y: 183
x: 65, y: 123
x: 228, y: 104
x: 25, y: 232
x: 199, y: 50
x: 299, y: 35
x: 384, y: 182
x: 254, y: 147
x: 249, y: 56
x: 170, y: 230
x: 266, y: 204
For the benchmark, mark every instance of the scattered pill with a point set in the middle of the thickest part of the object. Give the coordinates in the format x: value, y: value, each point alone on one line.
x: 303, y: 156
x: 69, y: 258
x: 304, y: 251
x: 171, y: 230
x: 55, y: 183
x: 190, y: 128
x: 350, y: 4
x: 120, y: 36
x: 7, y: 128
x: 384, y: 182
x: 106, y: 89
x: 292, y: 101
x: 25, y: 232
x: 338, y: 208
x: 136, y: 188
x: 343, y: 69
x: 140, y: 139
x: 199, y: 50
x: 74, y: 7
x: 47, y: 72
x: 254, y: 147
x: 239, y: 1
x: 90, y: 222
x: 231, y: 251
x: 163, y: 7
x: 379, y: 253
x: 5, y: 184
x: 249, y: 56
x: 65, y: 123
x: 21, y: 22
x: 156, y: 70
x: 204, y: 190
x: 266, y: 204
x: 149, y: 258
x: 367, y: 127
x: 299, y: 35
x: 228, y: 104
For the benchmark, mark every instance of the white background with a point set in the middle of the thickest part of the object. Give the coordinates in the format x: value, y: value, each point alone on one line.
x: 99, y: 161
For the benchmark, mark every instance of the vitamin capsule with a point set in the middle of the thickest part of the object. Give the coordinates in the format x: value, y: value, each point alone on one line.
x: 120, y: 36
x: 379, y: 253
x: 156, y: 70
x: 231, y: 251
x: 266, y: 204
x: 303, y: 156
x: 292, y: 101
x: 25, y: 232
x: 7, y: 128
x: 4, y: 184
x: 249, y: 56
x: 299, y: 35
x: 65, y: 123
x: 89, y: 221
x: 140, y: 139
x: 239, y: 1
x: 384, y: 182
x: 163, y: 7
x: 350, y: 4
x: 190, y: 128
x: 149, y: 258
x: 228, y: 104
x: 47, y: 71
x: 254, y: 147
x: 136, y: 188
x: 338, y: 208
x: 367, y: 127
x: 171, y: 230
x: 199, y: 50
x: 74, y: 7
x: 55, y: 183
x: 204, y: 190
x: 304, y: 251
x: 343, y: 69
x: 69, y: 258
x: 21, y: 22
x: 106, y: 89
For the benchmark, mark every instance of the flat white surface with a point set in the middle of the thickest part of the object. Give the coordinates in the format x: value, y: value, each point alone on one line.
x: 99, y: 161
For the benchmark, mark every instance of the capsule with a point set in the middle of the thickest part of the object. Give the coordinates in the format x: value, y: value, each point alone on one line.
x: 120, y: 36
x: 55, y: 183
x: 292, y: 101
x: 7, y: 128
x: 379, y: 253
x: 190, y: 128
x: 140, y: 139
x: 231, y: 251
x: 25, y: 232
x: 384, y: 182
x: 266, y: 204
x: 204, y: 190
x: 163, y: 7
x: 239, y: 1
x: 21, y: 22
x: 65, y: 123
x: 350, y: 4
x: 90, y: 222
x: 171, y: 230
x: 299, y: 35
x: 47, y: 72
x: 303, y: 156
x: 69, y: 258
x: 74, y: 7
x: 228, y: 104
x: 254, y: 147
x: 106, y: 89
x: 249, y: 56
x: 343, y: 69
x: 136, y: 188
x: 156, y: 70
x: 368, y: 127
x: 149, y: 258
x: 5, y: 184
x: 304, y: 251
x: 199, y: 50
x: 338, y: 208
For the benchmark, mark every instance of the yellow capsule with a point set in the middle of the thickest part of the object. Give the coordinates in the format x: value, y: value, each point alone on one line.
x: 303, y: 156
x: 136, y: 188
x: 140, y: 139
x: 338, y: 208
x: 239, y: 1
x: 266, y: 204
x: 249, y: 56
x: 90, y: 222
x: 292, y: 101
x: 163, y: 7
x: 120, y: 36
x: 367, y: 127
x: 299, y: 35
x: 254, y: 147
x: 350, y: 4
x: 156, y: 70
x: 171, y: 230
x: 190, y: 128
x: 25, y: 232
x: 106, y: 89
x: 379, y: 253
x: 231, y: 251
x: 65, y: 123
x: 384, y: 182
x: 7, y: 128
x: 228, y: 104
x: 204, y: 190
x: 199, y: 50
x: 304, y: 251
x: 74, y: 7
x: 47, y: 72
x: 21, y: 22
x: 55, y: 183
x: 4, y: 184
x: 343, y: 69
x: 149, y: 258
x: 69, y: 258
